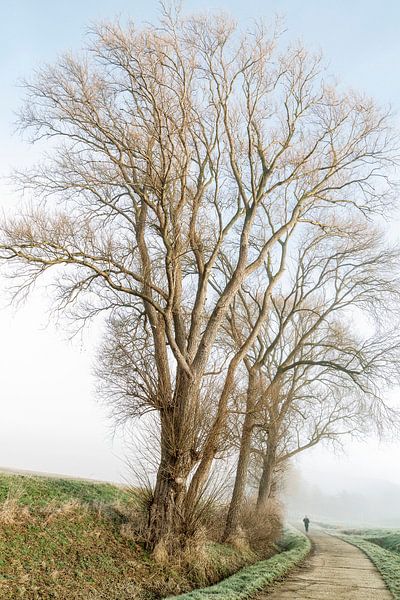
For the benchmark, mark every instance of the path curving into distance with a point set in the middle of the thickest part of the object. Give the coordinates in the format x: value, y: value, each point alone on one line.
x: 335, y: 570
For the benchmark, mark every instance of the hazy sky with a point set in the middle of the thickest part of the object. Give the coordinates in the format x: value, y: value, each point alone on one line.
x: 50, y: 418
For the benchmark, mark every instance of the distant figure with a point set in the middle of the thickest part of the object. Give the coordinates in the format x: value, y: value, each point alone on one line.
x: 306, y: 522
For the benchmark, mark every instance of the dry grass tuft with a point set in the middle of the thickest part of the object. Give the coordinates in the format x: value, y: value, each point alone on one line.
x: 11, y: 511
x: 71, y: 509
x: 128, y: 532
x: 262, y: 527
x: 160, y: 553
x: 239, y: 540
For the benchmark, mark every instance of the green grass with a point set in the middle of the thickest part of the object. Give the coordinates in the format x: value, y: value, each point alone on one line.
x: 35, y: 491
x: 295, y: 546
x: 382, y: 546
x: 63, y: 539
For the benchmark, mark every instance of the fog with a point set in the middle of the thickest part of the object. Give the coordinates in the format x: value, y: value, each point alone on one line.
x: 363, y: 502
x: 345, y: 489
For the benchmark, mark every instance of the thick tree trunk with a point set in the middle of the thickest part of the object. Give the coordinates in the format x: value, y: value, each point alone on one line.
x: 178, y: 433
x: 265, y: 486
x: 166, y: 508
x: 238, y: 494
x: 273, y: 491
x: 239, y: 489
x: 165, y: 512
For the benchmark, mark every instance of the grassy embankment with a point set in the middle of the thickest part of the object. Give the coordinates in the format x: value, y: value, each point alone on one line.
x: 294, y: 548
x: 63, y: 539
x: 382, y: 546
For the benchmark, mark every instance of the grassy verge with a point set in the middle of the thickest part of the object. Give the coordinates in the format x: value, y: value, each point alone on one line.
x: 383, y: 548
x: 294, y: 548
x: 66, y: 539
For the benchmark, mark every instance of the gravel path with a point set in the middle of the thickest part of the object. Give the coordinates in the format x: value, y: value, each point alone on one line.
x: 334, y: 571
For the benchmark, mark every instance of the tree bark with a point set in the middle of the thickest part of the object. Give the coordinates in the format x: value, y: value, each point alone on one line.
x: 264, y: 489
x: 177, y: 440
x: 238, y: 494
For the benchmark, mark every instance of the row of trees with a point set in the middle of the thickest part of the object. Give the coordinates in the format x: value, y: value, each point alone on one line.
x: 213, y: 196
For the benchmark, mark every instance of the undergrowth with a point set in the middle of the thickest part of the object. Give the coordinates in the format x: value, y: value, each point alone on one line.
x: 294, y: 548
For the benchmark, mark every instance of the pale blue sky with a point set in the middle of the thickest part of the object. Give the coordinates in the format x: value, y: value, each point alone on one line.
x: 50, y: 421
x: 359, y: 38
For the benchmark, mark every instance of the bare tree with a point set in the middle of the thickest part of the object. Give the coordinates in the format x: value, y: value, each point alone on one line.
x: 307, y: 351
x: 300, y: 420
x: 176, y: 148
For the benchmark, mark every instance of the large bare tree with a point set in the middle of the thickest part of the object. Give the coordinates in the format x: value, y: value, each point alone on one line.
x: 175, y: 149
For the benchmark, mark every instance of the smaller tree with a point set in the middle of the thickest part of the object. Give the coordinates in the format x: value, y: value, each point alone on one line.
x: 306, y: 347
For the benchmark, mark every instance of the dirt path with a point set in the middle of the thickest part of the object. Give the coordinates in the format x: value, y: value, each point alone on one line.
x: 334, y: 571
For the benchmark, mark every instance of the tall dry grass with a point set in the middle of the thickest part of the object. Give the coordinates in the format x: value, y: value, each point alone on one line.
x: 261, y: 527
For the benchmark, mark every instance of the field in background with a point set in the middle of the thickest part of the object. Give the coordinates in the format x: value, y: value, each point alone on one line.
x: 73, y: 539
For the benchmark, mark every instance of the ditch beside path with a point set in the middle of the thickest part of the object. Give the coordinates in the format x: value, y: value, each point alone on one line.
x: 335, y: 570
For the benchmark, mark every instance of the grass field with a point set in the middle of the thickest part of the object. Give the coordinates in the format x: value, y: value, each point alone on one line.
x: 65, y: 539
x: 383, y: 548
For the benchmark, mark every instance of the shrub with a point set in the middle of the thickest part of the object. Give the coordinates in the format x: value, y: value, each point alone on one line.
x: 262, y: 527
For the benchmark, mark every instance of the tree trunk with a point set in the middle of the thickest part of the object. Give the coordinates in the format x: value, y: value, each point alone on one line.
x: 178, y: 432
x: 169, y: 492
x: 264, y: 489
x: 273, y: 491
x: 238, y: 494
x: 165, y: 512
x: 212, y: 442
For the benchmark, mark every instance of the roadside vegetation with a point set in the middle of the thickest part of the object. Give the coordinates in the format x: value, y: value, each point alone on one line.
x: 294, y: 547
x: 63, y: 538
x: 382, y: 546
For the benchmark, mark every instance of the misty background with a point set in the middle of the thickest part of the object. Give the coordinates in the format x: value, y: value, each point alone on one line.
x: 51, y: 420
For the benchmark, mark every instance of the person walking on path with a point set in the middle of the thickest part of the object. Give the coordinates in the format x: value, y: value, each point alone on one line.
x: 306, y: 522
